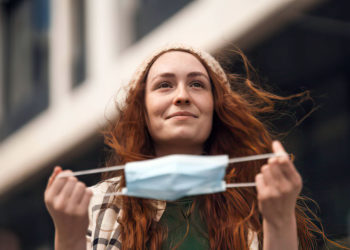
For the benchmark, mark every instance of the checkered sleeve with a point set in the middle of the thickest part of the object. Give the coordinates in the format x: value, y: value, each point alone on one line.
x: 104, y: 230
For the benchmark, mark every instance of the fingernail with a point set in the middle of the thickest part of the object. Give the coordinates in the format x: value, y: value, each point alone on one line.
x: 57, y: 168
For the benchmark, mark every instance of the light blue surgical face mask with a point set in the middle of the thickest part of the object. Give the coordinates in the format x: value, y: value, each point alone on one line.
x: 175, y: 176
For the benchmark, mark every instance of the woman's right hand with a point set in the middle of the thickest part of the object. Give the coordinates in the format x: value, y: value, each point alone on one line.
x: 67, y: 201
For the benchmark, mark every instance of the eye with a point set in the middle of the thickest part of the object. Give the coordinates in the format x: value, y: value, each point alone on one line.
x: 164, y: 85
x: 197, y: 85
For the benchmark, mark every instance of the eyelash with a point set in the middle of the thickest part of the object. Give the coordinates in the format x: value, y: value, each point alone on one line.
x: 161, y: 85
x: 201, y: 85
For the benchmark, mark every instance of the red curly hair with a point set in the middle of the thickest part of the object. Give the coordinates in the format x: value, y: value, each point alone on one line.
x: 236, y: 131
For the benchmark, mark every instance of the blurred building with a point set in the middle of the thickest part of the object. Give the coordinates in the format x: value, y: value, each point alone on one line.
x: 63, y: 64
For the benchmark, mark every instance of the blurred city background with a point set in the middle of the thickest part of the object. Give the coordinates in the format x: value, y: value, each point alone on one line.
x: 63, y: 63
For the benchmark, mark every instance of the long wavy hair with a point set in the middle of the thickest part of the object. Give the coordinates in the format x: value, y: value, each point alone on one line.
x: 239, y: 129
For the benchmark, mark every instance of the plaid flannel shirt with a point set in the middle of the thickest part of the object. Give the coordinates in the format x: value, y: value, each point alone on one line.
x: 104, y: 230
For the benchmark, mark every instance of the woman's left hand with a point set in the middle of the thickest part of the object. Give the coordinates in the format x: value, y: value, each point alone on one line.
x: 278, y: 186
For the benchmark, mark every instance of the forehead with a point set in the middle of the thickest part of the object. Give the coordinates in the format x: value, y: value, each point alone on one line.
x: 176, y: 61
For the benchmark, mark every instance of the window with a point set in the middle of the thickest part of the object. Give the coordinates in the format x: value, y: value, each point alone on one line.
x: 152, y: 13
x: 79, y: 42
x: 23, y: 62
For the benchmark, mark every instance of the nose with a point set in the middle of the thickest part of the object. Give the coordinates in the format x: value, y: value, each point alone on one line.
x: 182, y: 96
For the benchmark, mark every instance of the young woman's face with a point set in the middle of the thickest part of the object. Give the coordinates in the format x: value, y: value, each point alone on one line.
x: 179, y: 100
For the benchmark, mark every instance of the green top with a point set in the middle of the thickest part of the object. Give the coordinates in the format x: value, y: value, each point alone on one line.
x: 178, y: 218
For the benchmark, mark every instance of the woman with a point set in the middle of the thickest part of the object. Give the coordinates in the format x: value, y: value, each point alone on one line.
x: 181, y: 101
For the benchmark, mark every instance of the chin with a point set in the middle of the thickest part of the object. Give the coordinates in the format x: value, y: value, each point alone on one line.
x: 186, y: 139
x: 182, y: 136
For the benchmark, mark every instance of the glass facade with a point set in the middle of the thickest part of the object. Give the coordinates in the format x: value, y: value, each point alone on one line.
x: 313, y: 54
x: 24, y: 62
x: 151, y: 13
x: 79, y: 42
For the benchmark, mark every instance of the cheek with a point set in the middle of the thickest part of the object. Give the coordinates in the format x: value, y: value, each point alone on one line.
x: 210, y: 111
x: 207, y: 105
x: 209, y: 123
x: 155, y: 108
x: 207, y: 109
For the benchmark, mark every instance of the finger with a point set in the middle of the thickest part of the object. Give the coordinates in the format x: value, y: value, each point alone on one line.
x: 280, y: 172
x: 84, y: 204
x: 286, y: 167
x: 284, y: 184
x: 54, y: 174
x: 261, y: 187
x: 276, y: 172
x: 268, y: 177
x: 259, y: 180
x: 293, y: 175
x: 68, y: 188
x: 278, y: 149
x: 277, y: 183
x: 56, y: 186
x: 78, y: 193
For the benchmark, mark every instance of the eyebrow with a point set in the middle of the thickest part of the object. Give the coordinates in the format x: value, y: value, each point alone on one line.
x: 191, y: 74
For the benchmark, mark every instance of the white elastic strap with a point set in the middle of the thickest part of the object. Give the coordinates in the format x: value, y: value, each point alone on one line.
x: 92, y: 171
x: 238, y: 185
x: 256, y: 157
x: 120, y: 167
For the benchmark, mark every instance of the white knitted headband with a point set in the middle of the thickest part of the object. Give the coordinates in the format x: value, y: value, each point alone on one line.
x: 206, y: 58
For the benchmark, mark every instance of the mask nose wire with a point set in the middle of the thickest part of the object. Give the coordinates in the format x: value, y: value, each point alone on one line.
x: 228, y: 185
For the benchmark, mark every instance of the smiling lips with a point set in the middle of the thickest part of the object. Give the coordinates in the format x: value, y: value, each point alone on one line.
x: 181, y: 113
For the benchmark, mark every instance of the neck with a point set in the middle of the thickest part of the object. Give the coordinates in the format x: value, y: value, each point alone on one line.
x: 163, y: 150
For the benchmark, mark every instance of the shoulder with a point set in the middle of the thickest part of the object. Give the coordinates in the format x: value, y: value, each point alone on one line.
x: 101, y: 200
x: 106, y: 185
x: 101, y: 193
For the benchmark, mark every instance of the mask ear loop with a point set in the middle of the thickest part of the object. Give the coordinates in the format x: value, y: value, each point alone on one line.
x: 228, y: 185
x: 251, y: 158
x: 92, y: 171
